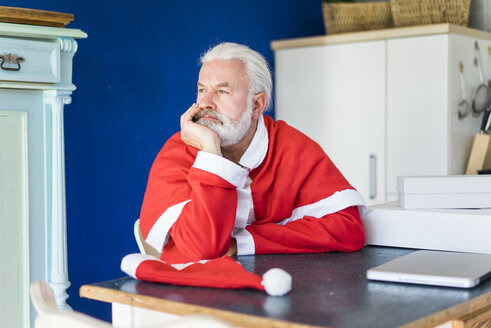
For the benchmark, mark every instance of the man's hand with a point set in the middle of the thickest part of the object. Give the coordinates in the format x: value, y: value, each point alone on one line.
x: 197, y: 135
x: 233, y: 248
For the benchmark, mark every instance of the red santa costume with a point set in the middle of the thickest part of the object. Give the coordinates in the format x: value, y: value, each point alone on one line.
x: 286, y: 196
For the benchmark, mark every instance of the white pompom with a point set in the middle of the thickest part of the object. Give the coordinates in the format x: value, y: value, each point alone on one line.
x: 277, y: 282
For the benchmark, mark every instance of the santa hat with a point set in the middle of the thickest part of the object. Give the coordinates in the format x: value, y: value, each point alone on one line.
x: 223, y: 272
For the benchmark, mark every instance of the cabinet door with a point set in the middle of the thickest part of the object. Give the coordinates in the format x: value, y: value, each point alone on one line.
x: 14, y: 209
x: 32, y: 257
x: 417, y: 114
x: 335, y: 94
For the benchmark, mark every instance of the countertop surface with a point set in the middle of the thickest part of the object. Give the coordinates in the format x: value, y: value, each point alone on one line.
x: 329, y: 289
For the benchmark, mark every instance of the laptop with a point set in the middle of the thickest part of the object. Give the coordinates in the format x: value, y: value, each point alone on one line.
x: 449, y: 269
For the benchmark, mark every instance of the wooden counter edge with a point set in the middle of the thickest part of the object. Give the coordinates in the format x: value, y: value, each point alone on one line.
x: 179, y: 308
x: 396, y: 32
x: 471, y: 307
x: 34, y: 16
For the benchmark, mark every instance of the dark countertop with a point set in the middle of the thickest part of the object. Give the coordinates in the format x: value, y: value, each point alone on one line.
x: 329, y: 289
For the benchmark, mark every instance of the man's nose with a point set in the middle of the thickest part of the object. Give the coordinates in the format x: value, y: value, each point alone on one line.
x: 207, y: 101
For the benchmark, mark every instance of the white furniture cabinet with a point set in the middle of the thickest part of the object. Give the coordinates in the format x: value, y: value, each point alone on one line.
x: 383, y: 103
x: 35, y: 84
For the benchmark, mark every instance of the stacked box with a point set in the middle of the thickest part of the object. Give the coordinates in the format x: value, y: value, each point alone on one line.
x: 462, y: 230
x: 453, y: 191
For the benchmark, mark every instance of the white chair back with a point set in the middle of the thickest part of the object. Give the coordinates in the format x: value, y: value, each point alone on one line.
x: 49, y: 316
x: 143, y: 246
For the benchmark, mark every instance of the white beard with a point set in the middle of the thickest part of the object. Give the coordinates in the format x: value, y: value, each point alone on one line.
x: 229, y: 131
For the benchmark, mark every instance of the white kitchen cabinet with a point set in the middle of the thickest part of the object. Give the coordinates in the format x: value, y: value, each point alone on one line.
x: 383, y: 103
x: 335, y: 95
x: 424, y: 133
x: 35, y: 84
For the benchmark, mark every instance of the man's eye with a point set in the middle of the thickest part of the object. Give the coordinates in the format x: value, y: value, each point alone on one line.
x: 221, y: 91
x: 201, y: 90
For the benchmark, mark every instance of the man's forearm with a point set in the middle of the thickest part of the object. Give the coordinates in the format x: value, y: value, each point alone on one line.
x: 342, y: 231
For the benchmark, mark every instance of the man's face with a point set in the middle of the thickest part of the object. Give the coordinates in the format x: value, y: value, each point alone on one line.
x: 223, y: 96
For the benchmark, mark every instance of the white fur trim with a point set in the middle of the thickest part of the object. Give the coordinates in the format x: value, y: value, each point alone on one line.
x: 244, y: 214
x: 159, y: 234
x: 277, y: 282
x: 245, y: 242
x: 222, y: 167
x: 185, y: 265
x: 332, y: 204
x: 257, y: 150
x: 130, y: 263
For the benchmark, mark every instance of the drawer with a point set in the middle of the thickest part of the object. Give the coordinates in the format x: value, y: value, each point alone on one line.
x: 29, y: 61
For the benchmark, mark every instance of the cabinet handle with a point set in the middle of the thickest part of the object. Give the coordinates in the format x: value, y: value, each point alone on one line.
x: 11, y: 59
x: 373, y: 176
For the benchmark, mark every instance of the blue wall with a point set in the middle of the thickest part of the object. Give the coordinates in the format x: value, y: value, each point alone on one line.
x: 135, y: 74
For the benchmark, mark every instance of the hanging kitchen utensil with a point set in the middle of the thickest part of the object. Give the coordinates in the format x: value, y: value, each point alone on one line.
x: 482, y: 94
x: 464, y: 108
x: 486, y: 121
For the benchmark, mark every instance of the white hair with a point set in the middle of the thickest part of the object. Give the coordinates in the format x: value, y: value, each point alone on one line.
x: 257, y: 67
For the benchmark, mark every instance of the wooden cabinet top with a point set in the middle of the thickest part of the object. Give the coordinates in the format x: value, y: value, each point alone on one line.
x: 34, y: 16
x: 379, y: 35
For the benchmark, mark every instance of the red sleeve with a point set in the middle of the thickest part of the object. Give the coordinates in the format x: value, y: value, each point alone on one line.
x: 183, y: 208
x: 341, y: 231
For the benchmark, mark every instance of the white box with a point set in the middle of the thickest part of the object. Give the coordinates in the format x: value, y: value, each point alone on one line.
x: 451, y: 191
x: 464, y: 230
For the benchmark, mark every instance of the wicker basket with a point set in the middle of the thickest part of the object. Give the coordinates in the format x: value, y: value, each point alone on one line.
x: 353, y: 17
x: 425, y: 12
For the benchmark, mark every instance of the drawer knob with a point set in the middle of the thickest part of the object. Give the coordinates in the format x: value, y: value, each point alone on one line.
x: 11, y: 59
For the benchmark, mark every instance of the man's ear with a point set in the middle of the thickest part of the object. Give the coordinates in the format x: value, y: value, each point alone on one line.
x: 259, y: 105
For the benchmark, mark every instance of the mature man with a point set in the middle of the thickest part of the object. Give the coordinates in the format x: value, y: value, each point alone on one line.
x: 233, y: 181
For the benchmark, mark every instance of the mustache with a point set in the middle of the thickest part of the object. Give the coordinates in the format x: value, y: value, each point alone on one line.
x: 207, y: 112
